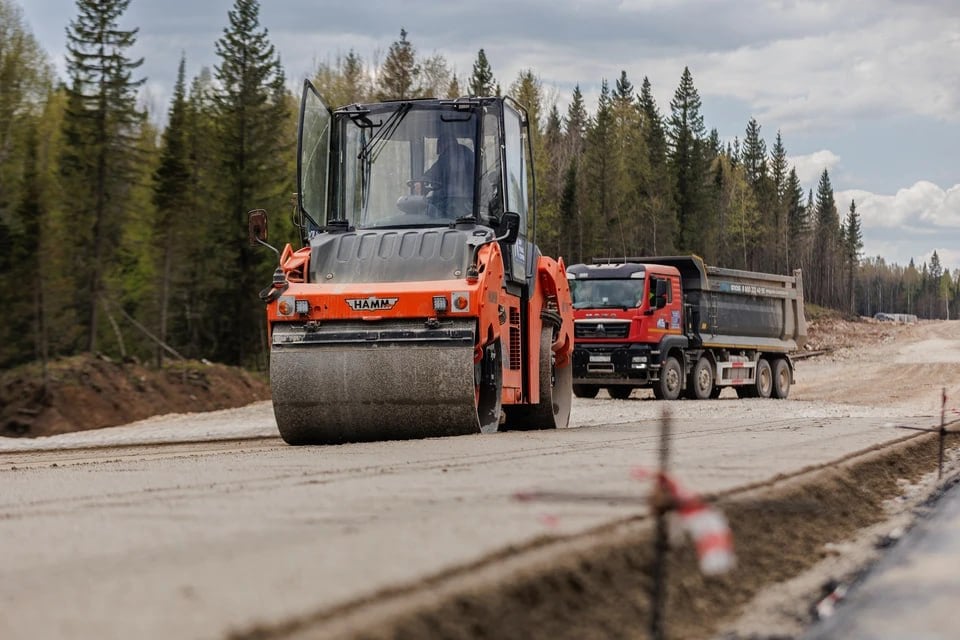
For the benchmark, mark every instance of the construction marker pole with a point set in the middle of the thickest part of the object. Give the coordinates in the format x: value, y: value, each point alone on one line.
x: 943, y: 430
x: 661, y: 506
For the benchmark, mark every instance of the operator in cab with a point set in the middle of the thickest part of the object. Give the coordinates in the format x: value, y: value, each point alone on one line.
x: 449, y: 181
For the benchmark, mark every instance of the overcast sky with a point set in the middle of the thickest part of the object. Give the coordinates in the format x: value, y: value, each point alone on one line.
x: 868, y: 89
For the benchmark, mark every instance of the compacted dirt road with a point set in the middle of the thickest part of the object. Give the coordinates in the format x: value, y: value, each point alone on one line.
x: 207, y: 525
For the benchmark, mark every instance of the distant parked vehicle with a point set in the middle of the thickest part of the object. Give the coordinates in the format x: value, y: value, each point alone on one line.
x: 904, y: 318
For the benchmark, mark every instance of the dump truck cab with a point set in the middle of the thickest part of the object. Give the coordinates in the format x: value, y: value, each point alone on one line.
x: 625, y: 316
x: 419, y: 304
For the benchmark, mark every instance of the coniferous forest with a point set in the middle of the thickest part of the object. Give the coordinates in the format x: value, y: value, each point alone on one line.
x: 117, y: 237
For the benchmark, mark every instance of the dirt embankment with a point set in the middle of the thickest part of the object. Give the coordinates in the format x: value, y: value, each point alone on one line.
x: 88, y: 392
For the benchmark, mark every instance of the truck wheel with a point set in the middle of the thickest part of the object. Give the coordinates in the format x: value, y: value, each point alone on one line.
x: 764, y: 383
x: 620, y: 392
x: 700, y: 383
x: 553, y: 409
x: 586, y: 390
x: 781, y: 379
x: 671, y: 380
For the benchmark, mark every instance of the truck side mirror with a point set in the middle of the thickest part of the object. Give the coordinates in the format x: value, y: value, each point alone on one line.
x: 662, y: 288
x: 257, y: 227
x: 509, y: 227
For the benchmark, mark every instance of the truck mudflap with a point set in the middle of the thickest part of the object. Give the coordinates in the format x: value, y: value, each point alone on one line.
x: 352, y: 382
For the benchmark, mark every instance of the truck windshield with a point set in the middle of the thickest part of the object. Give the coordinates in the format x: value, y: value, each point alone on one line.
x: 406, y: 165
x: 625, y: 293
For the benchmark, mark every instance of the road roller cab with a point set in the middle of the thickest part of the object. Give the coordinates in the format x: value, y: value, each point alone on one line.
x: 419, y: 304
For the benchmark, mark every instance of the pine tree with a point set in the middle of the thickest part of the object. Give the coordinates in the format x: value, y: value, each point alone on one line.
x: 769, y: 232
x: 853, y: 245
x: 576, y: 126
x: 628, y: 164
x: 657, y: 184
x: 826, y: 244
x: 453, y: 89
x: 171, y: 188
x: 101, y: 130
x: 686, y: 135
x: 598, y: 170
x: 754, y: 155
x: 400, y: 75
x: 778, y: 178
x: 482, y: 82
x: 553, y: 180
x: 797, y: 222
x: 249, y: 106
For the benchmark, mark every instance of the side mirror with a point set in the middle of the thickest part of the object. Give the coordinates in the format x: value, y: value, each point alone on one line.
x: 257, y: 227
x: 509, y: 227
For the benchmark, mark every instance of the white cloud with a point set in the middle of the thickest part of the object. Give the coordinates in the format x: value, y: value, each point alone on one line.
x: 912, y: 223
x: 810, y: 166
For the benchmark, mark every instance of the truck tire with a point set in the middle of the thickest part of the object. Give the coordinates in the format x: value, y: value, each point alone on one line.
x: 700, y: 382
x: 670, y: 384
x: 620, y: 392
x: 763, y: 386
x: 781, y: 379
x: 586, y: 390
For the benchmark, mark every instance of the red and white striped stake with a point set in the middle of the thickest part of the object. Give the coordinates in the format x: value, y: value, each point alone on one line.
x: 706, y: 525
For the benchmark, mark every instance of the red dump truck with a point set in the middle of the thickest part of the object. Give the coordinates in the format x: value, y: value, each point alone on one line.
x: 682, y: 328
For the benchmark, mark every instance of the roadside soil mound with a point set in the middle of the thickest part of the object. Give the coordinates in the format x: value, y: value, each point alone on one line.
x: 89, y: 392
x: 597, y: 585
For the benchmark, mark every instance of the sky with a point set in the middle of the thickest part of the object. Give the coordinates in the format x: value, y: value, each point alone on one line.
x: 867, y: 89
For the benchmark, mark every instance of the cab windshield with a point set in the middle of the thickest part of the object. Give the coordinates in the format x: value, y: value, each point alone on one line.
x: 406, y: 165
x: 624, y: 293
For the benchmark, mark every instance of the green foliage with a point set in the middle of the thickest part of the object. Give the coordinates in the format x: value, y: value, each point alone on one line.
x: 248, y: 102
x: 106, y: 235
x: 100, y: 161
x: 399, y: 77
x: 482, y: 82
x: 345, y: 81
x: 689, y: 162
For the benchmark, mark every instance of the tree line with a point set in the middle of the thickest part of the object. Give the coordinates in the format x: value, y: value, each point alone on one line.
x: 120, y: 238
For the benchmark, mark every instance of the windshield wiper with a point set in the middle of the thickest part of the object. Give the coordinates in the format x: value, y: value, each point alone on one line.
x: 370, y: 151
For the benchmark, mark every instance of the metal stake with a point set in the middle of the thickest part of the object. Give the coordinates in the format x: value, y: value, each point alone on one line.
x: 943, y: 430
x: 661, y: 505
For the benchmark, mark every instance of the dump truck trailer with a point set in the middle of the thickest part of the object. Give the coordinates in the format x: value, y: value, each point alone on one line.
x: 419, y: 304
x: 682, y: 328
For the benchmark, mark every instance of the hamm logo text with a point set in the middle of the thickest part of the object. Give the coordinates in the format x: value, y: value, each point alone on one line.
x: 372, y: 303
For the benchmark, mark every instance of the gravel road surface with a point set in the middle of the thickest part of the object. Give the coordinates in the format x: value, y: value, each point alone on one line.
x: 195, y: 526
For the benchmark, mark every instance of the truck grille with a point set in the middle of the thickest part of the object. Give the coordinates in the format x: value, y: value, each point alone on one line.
x: 601, y: 329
